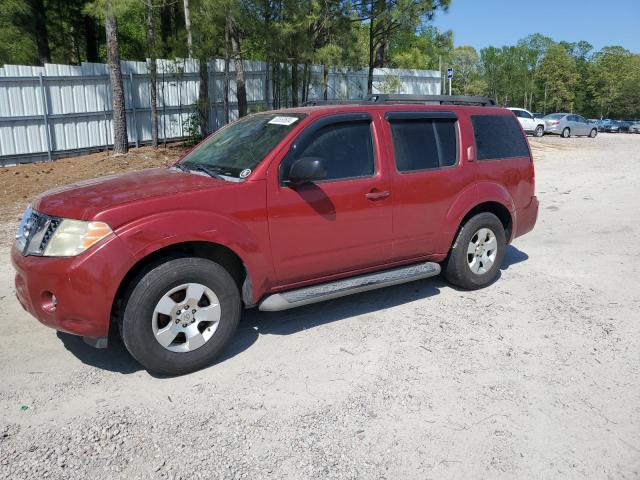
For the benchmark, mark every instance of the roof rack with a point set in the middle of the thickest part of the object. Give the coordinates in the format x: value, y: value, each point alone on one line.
x: 411, y: 99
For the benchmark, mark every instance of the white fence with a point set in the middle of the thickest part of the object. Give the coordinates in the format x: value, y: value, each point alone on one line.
x: 59, y: 110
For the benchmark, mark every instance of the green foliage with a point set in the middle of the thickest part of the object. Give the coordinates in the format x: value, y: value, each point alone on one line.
x: 390, y: 84
x: 558, y: 75
x: 17, y: 45
x: 191, y: 129
x: 468, y: 77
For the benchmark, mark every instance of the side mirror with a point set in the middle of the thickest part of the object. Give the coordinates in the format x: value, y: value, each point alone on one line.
x: 305, y: 170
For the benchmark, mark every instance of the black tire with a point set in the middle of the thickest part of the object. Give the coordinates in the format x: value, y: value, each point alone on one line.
x: 539, y: 131
x: 593, y: 133
x: 456, y: 267
x: 566, y: 133
x: 136, y: 322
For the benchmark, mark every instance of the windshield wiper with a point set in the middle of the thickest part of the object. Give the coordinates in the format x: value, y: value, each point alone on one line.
x: 200, y: 168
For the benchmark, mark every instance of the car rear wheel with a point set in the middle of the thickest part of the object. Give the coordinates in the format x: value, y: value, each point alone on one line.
x: 180, y: 315
x: 539, y: 131
x: 593, y: 133
x: 566, y: 133
x: 477, y: 253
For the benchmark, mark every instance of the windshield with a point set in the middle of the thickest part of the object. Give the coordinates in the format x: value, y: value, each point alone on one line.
x: 237, y: 149
x: 555, y: 116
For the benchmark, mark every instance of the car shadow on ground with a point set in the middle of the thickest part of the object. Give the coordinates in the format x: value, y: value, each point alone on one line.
x: 254, y: 323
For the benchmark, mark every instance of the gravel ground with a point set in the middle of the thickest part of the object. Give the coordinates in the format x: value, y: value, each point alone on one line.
x: 536, y: 376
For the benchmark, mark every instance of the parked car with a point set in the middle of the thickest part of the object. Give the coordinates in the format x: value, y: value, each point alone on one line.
x: 612, y: 127
x: 277, y: 210
x: 625, y: 126
x: 529, y: 122
x: 634, y: 128
x: 602, y: 124
x: 569, y: 124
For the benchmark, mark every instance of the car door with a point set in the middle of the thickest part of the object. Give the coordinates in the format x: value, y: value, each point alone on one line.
x: 527, y: 120
x: 521, y: 119
x: 584, y: 126
x: 574, y: 124
x: 427, y: 180
x: 341, y: 223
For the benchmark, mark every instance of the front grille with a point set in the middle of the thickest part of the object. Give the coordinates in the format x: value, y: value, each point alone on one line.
x: 36, y: 229
x: 52, y: 226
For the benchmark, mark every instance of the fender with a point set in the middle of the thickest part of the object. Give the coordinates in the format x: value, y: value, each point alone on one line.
x: 147, y: 235
x: 494, y: 192
x: 464, y: 201
x: 467, y: 200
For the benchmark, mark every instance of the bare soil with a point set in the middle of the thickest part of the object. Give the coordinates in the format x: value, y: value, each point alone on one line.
x: 535, y: 376
x: 21, y: 183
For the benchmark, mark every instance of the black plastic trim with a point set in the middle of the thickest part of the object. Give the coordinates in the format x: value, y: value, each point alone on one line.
x: 418, y: 115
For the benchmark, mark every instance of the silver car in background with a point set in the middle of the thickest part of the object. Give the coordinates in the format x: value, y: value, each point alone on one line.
x: 568, y: 124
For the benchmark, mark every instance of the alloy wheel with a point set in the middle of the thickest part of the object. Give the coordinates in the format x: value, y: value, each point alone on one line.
x: 482, y: 251
x: 186, y: 317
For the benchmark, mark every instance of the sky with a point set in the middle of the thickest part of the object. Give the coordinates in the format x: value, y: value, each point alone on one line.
x: 481, y: 23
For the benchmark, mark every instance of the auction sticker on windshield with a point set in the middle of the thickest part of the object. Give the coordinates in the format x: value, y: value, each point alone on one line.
x: 283, y: 120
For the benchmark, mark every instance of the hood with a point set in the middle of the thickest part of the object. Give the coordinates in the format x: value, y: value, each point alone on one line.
x: 84, y: 200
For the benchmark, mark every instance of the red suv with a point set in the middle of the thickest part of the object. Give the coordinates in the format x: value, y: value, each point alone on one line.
x: 276, y: 210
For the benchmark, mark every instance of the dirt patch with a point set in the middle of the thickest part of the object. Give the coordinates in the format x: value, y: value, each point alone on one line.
x: 19, y: 184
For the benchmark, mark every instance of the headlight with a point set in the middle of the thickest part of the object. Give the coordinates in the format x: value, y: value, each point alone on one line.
x: 72, y: 237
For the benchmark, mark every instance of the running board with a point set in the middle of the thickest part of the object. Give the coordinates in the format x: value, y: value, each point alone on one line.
x: 347, y: 286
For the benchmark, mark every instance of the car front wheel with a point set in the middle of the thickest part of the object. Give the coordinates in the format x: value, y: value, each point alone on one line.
x: 593, y: 133
x: 180, y: 315
x: 539, y: 131
x: 477, y: 253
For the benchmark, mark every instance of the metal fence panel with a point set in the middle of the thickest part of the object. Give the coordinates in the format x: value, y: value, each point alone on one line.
x: 59, y: 110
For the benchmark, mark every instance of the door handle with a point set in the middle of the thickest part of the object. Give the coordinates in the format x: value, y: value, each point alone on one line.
x: 377, y: 194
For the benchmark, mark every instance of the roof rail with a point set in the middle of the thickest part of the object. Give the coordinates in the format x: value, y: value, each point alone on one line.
x: 432, y: 99
x: 409, y: 98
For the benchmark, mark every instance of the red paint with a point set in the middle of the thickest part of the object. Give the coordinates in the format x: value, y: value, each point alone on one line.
x: 285, y: 237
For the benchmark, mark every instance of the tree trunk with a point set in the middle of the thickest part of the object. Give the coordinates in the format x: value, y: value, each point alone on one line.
x: 91, y: 38
x: 294, y: 83
x: 225, y: 93
x: 203, y: 98
x: 153, y: 74
x: 325, y: 81
x: 241, y: 89
x: 371, y: 59
x: 275, y: 85
x: 187, y: 26
x: 39, y: 18
x: 119, y: 121
x: 306, y: 81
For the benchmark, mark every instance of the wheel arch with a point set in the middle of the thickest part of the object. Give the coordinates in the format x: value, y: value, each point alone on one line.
x: 498, y: 209
x: 221, y: 254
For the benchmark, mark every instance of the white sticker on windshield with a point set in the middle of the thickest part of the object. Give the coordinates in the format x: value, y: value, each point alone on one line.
x: 283, y: 120
x: 245, y: 173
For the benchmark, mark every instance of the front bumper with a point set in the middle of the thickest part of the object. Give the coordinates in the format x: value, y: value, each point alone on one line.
x: 84, y: 287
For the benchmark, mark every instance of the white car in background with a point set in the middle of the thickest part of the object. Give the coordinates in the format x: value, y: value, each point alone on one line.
x: 530, y: 124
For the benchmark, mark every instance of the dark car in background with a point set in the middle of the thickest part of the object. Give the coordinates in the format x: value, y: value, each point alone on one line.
x: 625, y: 126
x: 612, y: 127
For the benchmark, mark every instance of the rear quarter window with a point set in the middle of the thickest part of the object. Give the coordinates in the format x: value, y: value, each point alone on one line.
x: 498, y: 136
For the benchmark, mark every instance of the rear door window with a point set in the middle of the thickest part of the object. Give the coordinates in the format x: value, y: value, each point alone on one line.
x: 423, y: 143
x: 498, y: 136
